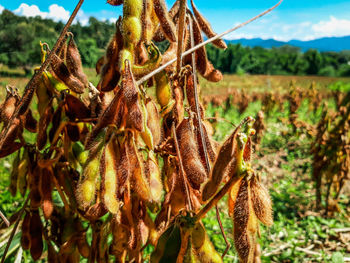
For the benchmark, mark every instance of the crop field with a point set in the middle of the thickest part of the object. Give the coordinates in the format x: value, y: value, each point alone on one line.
x: 301, y: 232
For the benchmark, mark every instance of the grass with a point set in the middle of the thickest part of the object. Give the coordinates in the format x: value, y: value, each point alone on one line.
x: 284, y: 163
x: 299, y: 233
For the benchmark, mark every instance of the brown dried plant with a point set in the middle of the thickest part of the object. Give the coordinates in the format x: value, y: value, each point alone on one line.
x: 114, y: 166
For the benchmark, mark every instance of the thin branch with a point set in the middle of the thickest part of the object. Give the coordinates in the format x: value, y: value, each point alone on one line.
x: 180, y: 36
x: 201, y: 133
x: 148, y: 76
x: 14, y: 229
x: 217, y: 197
x: 32, y: 84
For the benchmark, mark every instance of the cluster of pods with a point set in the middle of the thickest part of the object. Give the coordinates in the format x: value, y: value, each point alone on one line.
x: 114, y: 170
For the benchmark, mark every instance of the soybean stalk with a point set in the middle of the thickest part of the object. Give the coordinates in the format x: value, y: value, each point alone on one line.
x: 32, y: 84
x: 150, y: 75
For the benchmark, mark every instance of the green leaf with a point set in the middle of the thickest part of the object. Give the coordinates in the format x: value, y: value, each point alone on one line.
x: 337, y: 257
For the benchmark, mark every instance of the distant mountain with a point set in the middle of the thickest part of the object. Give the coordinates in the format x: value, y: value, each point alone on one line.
x: 322, y: 44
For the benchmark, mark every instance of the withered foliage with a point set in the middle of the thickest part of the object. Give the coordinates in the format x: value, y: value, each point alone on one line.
x: 113, y: 166
x: 331, y: 155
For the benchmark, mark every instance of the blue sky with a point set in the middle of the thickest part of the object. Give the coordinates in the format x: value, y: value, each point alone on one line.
x: 294, y: 19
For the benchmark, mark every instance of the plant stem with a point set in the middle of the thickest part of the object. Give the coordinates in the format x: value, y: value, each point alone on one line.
x: 148, y: 76
x: 32, y: 84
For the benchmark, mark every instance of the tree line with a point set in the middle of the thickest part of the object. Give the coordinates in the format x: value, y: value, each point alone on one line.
x: 20, y: 37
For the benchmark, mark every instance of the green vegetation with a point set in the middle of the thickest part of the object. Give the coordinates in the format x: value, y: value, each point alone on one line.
x: 19, y: 38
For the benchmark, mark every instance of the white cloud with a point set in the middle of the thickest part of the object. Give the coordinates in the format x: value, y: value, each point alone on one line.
x: 56, y: 12
x: 82, y: 18
x: 26, y: 10
x: 1, y: 9
x: 332, y: 27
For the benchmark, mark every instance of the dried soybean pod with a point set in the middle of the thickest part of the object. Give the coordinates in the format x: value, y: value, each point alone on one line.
x: 243, y: 238
x: 194, y: 169
x: 224, y: 157
x: 138, y: 181
x: 109, y: 183
x: 165, y: 21
x: 206, y: 28
x: 36, y: 239
x: 232, y: 196
x: 153, y: 121
x: 62, y: 72
x: 109, y: 76
x: 35, y: 179
x: 44, y: 122
x: 115, y: 2
x: 22, y: 173
x: 73, y: 61
x: 132, y: 99
x: 109, y: 116
x: 45, y: 189
x: 154, y: 177
x: 212, y: 74
x: 261, y: 202
x: 14, y: 174
x: 147, y: 25
x: 201, y: 54
x: 25, y: 237
x: 76, y: 108
x: 99, y: 64
x: 83, y: 245
x: 30, y: 123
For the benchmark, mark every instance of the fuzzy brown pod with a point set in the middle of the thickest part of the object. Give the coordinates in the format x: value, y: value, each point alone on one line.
x: 9, y: 149
x: 25, y: 101
x: 113, y: 114
x: 8, y: 107
x: 34, y: 183
x: 76, y: 109
x: 223, y: 159
x: 44, y: 122
x: 261, y: 201
x: 115, y: 2
x: 194, y: 169
x: 14, y: 174
x: 245, y: 224
x: 204, y: 66
x: 73, y: 61
x: 153, y: 121
x: 109, y: 75
x: 211, y: 151
x: 138, y: 181
x: 99, y: 64
x: 206, y: 27
x: 62, y: 72
x: 45, y: 189
x: 132, y: 99
x: 165, y: 21
x: 36, y: 238
x: 96, y: 211
x: 25, y: 237
x: 29, y: 122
